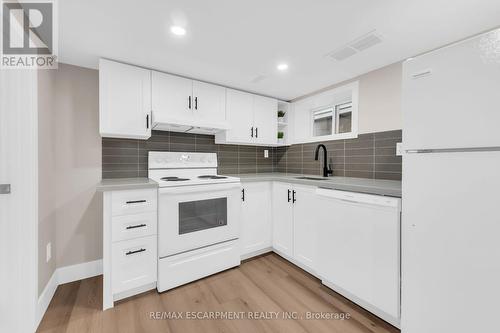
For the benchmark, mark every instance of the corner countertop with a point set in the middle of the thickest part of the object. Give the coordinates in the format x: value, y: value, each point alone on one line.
x: 125, y: 184
x: 371, y: 186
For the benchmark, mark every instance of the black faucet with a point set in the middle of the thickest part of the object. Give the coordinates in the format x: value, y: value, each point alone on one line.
x: 326, y: 170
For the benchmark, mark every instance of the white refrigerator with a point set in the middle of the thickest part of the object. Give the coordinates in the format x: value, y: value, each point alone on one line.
x: 451, y: 189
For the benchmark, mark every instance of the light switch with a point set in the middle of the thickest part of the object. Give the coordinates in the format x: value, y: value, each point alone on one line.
x: 266, y: 153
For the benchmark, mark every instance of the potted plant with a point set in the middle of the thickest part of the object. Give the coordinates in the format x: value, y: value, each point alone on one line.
x: 281, y: 115
x: 280, y: 137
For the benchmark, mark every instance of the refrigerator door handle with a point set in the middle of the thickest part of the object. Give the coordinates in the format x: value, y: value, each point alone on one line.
x: 452, y: 150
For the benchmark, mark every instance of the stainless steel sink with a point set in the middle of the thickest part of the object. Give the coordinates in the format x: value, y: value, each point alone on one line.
x: 311, y: 178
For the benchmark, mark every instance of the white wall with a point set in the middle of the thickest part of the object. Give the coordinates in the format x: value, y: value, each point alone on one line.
x: 379, y: 99
x: 70, y: 168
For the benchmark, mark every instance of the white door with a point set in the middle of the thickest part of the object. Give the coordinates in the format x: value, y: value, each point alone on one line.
x: 209, y: 103
x: 124, y: 100
x: 265, y: 113
x: 451, y: 99
x: 305, y: 210
x: 256, y: 228
x: 172, y: 99
x: 192, y: 217
x: 450, y: 242
x: 239, y: 111
x: 18, y: 209
x: 283, y: 218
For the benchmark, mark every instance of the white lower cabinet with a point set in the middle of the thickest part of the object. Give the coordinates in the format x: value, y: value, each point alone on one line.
x: 294, y: 223
x: 256, y: 226
x: 130, y: 219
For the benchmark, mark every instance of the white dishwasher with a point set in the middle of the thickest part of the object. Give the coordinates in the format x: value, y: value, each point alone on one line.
x: 359, y: 250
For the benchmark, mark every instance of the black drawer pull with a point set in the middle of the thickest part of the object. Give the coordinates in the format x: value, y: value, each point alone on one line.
x: 293, y: 196
x: 289, y: 195
x: 135, y: 201
x: 136, y: 226
x: 134, y: 252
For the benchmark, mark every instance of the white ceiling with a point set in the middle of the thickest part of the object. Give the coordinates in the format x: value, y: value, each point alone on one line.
x: 231, y: 42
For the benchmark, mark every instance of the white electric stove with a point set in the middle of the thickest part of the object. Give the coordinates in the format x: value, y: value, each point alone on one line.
x: 198, y: 217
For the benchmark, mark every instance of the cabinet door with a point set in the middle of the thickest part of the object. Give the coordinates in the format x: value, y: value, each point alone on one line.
x: 209, y: 102
x: 124, y: 101
x: 256, y: 229
x: 282, y: 218
x: 239, y: 111
x: 305, y: 211
x: 172, y: 98
x: 265, y: 111
x: 301, y: 123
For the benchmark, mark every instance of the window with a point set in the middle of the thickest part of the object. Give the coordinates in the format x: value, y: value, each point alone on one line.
x: 343, y: 118
x: 332, y: 120
x: 322, y: 122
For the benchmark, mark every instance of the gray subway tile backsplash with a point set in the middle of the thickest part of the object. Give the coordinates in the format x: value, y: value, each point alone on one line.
x: 368, y: 156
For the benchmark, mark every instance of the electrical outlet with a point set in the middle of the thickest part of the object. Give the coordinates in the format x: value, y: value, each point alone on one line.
x: 399, y: 149
x: 49, y: 251
x: 266, y: 153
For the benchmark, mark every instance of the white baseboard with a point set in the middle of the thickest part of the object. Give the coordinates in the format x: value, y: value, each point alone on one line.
x: 64, y: 275
x: 79, y: 271
x: 45, y: 297
x: 252, y: 254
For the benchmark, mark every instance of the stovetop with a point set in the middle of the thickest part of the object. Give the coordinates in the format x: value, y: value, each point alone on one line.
x: 184, y: 169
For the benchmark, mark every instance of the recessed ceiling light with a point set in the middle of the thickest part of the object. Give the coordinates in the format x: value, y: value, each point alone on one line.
x: 282, y: 67
x: 177, y: 30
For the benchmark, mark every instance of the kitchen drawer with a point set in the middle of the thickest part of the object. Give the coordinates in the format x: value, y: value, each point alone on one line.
x: 134, y: 263
x: 134, y: 201
x: 133, y: 226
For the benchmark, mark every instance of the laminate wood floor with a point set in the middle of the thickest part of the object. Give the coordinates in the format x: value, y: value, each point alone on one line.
x: 264, y: 287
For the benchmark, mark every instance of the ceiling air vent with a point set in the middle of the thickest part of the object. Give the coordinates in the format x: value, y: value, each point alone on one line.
x: 357, y: 45
x: 343, y: 53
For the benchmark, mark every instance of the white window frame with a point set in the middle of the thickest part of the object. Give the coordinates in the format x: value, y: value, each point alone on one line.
x: 335, y: 97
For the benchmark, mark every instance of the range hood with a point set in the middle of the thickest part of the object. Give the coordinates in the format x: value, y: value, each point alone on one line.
x: 188, y: 126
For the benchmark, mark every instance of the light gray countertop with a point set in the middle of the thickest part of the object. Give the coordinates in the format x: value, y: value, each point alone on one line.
x: 363, y: 185
x: 125, y: 184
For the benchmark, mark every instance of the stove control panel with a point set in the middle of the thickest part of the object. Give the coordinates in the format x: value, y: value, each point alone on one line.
x: 169, y: 160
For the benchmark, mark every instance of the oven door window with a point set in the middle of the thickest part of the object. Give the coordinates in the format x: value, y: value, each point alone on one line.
x: 202, y: 214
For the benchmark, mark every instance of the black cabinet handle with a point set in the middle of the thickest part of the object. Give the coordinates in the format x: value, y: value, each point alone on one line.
x: 189, y: 102
x: 243, y: 194
x: 135, y: 226
x: 147, y: 121
x: 135, y: 201
x: 293, y: 197
x: 256, y: 132
x: 251, y: 132
x: 289, y: 195
x: 134, y: 252
x: 196, y: 103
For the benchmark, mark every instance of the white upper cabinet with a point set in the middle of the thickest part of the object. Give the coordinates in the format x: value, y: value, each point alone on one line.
x: 171, y: 97
x: 124, y: 101
x: 252, y: 119
x: 209, y: 102
x: 265, y: 119
x: 239, y: 108
x: 180, y: 103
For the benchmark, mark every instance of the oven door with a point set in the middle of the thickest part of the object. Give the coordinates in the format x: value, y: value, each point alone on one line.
x: 192, y: 217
